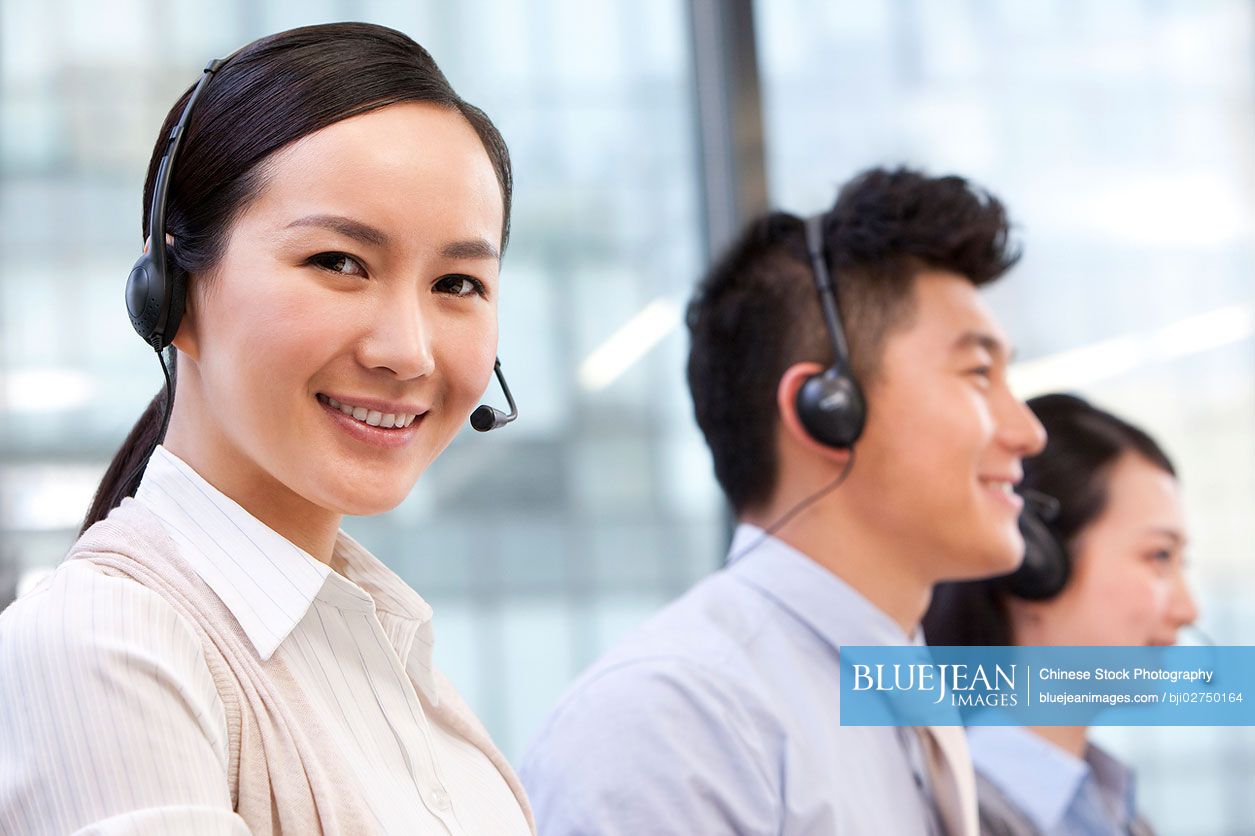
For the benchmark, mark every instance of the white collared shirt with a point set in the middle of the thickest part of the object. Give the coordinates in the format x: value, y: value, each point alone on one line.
x: 358, y: 644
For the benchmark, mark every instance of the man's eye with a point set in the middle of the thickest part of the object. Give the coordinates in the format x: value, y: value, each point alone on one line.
x: 338, y: 263
x: 460, y: 286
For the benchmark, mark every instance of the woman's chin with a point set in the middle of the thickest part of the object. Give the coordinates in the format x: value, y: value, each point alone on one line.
x: 369, y: 503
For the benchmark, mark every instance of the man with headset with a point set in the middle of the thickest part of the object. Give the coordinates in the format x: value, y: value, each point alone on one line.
x: 861, y: 474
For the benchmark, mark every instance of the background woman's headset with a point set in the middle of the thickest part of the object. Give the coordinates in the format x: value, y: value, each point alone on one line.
x: 1047, y: 564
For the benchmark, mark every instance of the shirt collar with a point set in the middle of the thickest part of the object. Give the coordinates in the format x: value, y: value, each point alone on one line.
x: 403, y: 614
x: 832, y: 608
x: 1038, y: 777
x: 269, y: 583
x: 1116, y: 781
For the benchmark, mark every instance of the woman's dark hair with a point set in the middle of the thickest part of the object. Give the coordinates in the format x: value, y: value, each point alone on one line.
x: 1083, y: 443
x: 267, y: 95
x: 756, y: 311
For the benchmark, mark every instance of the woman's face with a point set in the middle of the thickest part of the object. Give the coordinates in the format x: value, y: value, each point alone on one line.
x: 363, y: 279
x: 1127, y: 585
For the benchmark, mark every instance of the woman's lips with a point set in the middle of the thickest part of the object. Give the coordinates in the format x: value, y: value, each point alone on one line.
x: 385, y: 437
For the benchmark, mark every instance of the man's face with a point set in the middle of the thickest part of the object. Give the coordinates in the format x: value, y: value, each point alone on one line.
x: 945, y: 436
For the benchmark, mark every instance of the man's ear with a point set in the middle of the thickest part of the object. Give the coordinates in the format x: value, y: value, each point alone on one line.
x: 786, y: 404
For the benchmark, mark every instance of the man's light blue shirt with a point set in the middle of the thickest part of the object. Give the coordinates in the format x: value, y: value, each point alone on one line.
x: 720, y: 715
x: 1061, y: 794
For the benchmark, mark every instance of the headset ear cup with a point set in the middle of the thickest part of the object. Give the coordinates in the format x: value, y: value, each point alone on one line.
x: 831, y: 408
x: 1046, y: 566
x: 144, y: 290
x: 178, y: 302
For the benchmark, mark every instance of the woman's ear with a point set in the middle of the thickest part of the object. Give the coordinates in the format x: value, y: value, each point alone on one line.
x: 1025, y: 619
x: 148, y: 240
x: 786, y: 404
x: 186, y: 338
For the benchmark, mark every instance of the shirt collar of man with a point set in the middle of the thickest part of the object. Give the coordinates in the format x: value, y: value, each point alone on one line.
x: 267, y: 582
x: 1044, y: 781
x: 829, y: 606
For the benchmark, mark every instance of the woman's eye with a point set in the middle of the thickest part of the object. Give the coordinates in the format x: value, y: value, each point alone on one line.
x: 460, y: 286
x: 338, y: 263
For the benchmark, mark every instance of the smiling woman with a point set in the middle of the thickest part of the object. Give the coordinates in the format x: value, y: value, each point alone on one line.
x: 1103, y: 567
x: 216, y: 654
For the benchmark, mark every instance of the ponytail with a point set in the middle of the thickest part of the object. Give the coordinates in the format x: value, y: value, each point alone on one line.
x: 124, y: 473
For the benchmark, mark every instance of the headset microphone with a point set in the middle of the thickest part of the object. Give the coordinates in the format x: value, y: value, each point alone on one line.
x: 485, y: 417
x: 1044, y: 505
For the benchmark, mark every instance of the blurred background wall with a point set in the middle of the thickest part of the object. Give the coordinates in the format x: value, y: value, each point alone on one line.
x: 1121, y: 134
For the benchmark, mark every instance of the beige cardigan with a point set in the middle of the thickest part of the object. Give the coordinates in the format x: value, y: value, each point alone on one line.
x: 283, y: 775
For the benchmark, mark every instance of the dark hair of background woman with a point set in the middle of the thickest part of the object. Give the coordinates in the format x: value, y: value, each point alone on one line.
x: 1083, y: 443
x: 268, y: 94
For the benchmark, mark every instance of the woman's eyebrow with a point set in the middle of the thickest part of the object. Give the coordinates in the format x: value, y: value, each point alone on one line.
x: 471, y: 248
x: 349, y: 228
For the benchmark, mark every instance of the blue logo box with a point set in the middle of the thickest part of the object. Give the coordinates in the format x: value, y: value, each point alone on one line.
x: 1047, y: 686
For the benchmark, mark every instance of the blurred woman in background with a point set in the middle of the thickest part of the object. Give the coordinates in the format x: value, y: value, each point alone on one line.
x: 1104, y: 568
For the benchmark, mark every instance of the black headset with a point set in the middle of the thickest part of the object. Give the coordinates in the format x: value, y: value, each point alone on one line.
x: 1047, y: 565
x: 830, y: 404
x: 156, y: 294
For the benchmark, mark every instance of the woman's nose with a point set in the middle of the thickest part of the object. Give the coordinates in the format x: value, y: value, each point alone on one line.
x: 399, y: 340
x: 1183, y: 609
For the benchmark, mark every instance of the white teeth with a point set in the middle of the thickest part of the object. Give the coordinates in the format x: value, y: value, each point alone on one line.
x: 374, y: 418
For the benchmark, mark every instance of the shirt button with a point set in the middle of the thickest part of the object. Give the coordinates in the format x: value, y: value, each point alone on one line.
x: 439, y: 799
